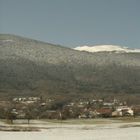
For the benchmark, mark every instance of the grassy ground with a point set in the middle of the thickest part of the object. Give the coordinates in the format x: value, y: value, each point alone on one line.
x: 96, y: 121
x: 81, y: 121
x: 128, y: 119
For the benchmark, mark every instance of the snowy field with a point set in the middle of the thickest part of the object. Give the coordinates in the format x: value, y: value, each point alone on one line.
x: 113, y: 131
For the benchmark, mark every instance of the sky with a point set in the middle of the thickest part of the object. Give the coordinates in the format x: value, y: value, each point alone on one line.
x: 73, y: 23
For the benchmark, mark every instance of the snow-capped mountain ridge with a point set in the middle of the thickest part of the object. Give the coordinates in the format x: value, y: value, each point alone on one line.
x: 30, y: 67
x: 107, y: 48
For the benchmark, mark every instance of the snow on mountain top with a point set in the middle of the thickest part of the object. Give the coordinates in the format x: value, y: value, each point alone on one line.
x: 106, y: 48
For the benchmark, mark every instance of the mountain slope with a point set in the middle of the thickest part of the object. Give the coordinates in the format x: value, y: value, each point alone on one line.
x: 30, y: 67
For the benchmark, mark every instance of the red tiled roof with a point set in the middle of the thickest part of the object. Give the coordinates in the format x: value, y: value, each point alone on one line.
x: 104, y: 110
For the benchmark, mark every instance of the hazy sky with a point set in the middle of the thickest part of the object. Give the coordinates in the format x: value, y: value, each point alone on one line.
x: 73, y: 22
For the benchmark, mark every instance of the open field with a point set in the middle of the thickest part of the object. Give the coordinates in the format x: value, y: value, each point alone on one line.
x: 90, y: 129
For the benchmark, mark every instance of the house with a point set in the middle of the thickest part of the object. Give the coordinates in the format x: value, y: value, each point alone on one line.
x: 136, y: 110
x: 104, y: 112
x: 124, y: 111
x: 71, y: 104
x: 108, y: 104
x: 116, y: 113
x: 83, y: 116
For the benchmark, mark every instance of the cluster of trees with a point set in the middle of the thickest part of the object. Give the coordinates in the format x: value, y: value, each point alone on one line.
x: 10, y: 115
x: 53, y: 110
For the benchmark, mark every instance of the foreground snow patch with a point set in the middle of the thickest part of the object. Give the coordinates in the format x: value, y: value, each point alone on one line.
x: 86, y: 132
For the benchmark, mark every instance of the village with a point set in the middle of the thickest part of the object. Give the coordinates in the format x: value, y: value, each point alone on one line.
x: 49, y: 108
